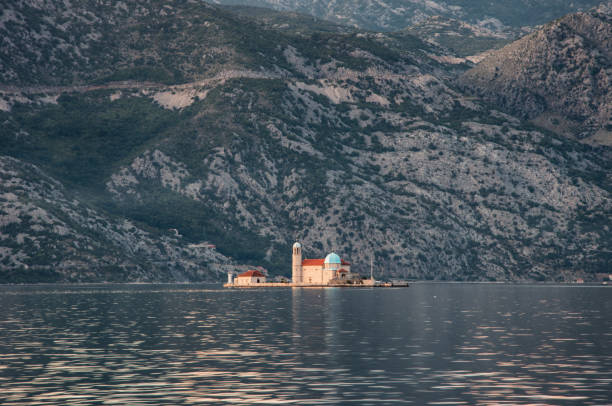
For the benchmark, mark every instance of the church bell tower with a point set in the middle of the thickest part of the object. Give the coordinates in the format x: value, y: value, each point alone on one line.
x: 296, y: 271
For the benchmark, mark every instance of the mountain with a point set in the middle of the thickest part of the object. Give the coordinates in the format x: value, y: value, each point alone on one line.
x: 394, y: 15
x: 49, y: 236
x: 235, y: 133
x: 91, y: 42
x: 288, y: 21
x: 463, y: 39
x: 559, y: 76
x: 455, y: 38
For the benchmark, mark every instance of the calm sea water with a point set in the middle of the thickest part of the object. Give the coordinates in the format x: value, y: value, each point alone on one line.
x: 202, y: 344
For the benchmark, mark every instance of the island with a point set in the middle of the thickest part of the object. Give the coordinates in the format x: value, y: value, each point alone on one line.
x: 320, y: 272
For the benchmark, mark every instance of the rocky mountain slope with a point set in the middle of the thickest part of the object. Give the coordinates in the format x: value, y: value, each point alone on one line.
x: 394, y: 15
x: 47, y: 235
x: 288, y: 21
x: 462, y: 39
x: 559, y: 76
x: 253, y: 137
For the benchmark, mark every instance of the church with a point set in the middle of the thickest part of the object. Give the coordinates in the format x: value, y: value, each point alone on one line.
x: 325, y: 271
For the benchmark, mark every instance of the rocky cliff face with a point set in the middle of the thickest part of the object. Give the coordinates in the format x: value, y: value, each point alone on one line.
x: 558, y: 76
x: 355, y: 142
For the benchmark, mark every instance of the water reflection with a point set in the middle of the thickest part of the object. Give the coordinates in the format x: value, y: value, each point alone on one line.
x: 196, y: 344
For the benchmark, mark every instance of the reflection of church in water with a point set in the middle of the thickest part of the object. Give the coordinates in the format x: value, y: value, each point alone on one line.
x: 325, y: 271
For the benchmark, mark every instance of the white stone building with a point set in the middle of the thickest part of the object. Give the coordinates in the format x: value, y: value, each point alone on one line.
x: 251, y: 277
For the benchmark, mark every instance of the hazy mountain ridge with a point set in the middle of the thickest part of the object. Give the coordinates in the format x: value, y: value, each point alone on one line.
x: 461, y: 38
x: 354, y: 142
x: 288, y: 21
x: 560, y: 75
x: 393, y: 15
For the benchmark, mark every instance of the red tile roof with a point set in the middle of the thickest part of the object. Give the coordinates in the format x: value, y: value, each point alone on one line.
x: 251, y: 273
x: 312, y: 262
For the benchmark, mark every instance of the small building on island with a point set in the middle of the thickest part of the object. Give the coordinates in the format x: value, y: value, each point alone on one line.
x: 250, y: 277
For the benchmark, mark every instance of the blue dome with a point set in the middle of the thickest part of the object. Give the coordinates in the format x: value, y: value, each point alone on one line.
x: 297, y: 245
x: 332, y: 258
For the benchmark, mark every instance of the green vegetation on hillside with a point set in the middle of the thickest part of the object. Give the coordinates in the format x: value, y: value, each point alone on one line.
x: 85, y: 137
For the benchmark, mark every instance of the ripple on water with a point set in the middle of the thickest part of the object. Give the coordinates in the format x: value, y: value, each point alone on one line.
x: 175, y: 344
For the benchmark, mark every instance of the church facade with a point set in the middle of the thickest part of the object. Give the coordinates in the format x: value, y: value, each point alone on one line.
x: 325, y: 271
